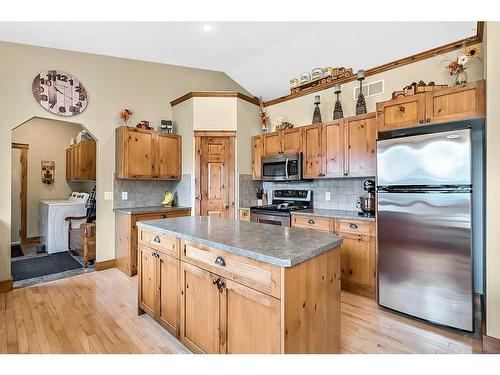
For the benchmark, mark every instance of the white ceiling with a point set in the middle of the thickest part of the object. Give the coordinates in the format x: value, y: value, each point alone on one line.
x: 260, y: 56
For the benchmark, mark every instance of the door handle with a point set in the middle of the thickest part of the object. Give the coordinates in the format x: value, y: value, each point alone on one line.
x: 286, y: 168
x: 226, y: 206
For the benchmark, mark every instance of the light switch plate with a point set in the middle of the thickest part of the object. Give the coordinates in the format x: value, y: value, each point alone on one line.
x: 124, y: 195
x: 108, y: 195
x: 328, y: 196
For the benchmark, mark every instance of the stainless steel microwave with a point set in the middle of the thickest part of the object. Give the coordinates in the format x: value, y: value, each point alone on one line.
x: 282, y: 167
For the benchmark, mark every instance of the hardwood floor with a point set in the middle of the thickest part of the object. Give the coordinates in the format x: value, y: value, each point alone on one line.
x: 97, y: 313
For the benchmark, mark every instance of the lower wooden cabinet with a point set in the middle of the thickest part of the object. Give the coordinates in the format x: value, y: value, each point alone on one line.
x: 159, y: 287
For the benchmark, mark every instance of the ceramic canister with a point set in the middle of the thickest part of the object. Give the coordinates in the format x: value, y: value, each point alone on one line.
x: 305, y: 77
x: 317, y: 73
x: 294, y: 82
x: 327, y: 72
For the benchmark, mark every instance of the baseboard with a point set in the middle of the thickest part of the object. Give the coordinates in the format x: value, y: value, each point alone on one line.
x: 6, y: 285
x: 105, y: 264
x: 491, y: 345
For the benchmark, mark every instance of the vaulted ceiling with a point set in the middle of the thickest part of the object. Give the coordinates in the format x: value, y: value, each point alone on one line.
x: 260, y: 56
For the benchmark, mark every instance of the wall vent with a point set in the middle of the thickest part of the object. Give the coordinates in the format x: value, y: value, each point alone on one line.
x: 370, y: 89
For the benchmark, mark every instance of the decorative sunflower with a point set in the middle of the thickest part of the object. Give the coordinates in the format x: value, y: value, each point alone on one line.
x: 472, y: 52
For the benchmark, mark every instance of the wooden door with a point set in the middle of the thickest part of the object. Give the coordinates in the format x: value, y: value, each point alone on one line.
x: 291, y: 140
x: 333, y: 149
x: 216, y: 182
x: 257, y: 157
x: 250, y: 321
x: 360, y: 135
x: 140, y: 154
x: 199, y: 310
x: 272, y: 143
x: 168, y: 166
x: 403, y: 112
x: 147, y: 280
x: 168, y: 302
x: 358, y: 264
x: 312, y: 152
x: 455, y: 102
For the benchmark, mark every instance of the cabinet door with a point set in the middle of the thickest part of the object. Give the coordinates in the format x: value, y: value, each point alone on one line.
x: 86, y: 160
x: 168, y: 166
x: 312, y: 152
x: 250, y: 321
x: 455, y: 102
x: 403, y: 112
x: 139, y: 154
x: 360, y: 144
x: 68, y: 164
x: 257, y: 157
x: 291, y: 140
x: 74, y: 162
x: 168, y: 302
x: 358, y: 264
x: 333, y: 149
x: 199, y: 310
x: 147, y: 280
x: 272, y: 143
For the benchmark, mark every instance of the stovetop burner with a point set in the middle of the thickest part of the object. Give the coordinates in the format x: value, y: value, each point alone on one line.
x: 282, y: 207
x: 287, y: 201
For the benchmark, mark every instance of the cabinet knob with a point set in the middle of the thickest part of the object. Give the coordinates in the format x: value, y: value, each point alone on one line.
x: 220, y: 261
x: 421, y: 121
x: 402, y: 108
x: 428, y: 120
x: 310, y: 221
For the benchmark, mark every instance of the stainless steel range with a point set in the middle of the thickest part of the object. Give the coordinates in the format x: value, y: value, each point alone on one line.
x: 283, y: 202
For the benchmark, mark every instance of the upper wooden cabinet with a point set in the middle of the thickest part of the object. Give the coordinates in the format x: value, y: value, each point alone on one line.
x: 146, y: 154
x: 257, y: 150
x: 282, y: 141
x: 312, y: 151
x: 432, y: 107
x: 272, y: 143
x: 360, y: 135
x: 81, y: 161
x: 333, y: 149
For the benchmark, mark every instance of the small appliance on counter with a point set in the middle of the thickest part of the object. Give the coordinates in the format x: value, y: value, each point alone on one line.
x: 366, y: 202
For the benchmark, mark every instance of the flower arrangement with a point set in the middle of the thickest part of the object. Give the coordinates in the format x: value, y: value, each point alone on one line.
x: 456, y: 67
x: 264, y: 118
x: 125, y: 114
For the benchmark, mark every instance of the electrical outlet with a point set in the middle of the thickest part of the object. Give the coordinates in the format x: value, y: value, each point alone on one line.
x: 328, y: 196
x: 124, y: 195
x: 108, y: 195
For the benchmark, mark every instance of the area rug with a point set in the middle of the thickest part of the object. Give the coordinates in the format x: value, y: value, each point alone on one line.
x: 45, y: 265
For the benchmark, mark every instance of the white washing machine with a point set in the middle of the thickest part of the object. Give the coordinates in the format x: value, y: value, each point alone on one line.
x: 53, y: 227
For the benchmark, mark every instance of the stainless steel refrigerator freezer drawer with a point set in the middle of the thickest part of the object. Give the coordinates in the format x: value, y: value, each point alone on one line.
x: 425, y: 256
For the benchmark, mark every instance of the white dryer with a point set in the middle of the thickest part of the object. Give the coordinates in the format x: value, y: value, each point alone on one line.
x: 53, y: 227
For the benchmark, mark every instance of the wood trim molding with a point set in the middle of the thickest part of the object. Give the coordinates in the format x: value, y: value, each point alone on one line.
x: 491, y: 345
x: 214, y: 94
x: 23, y: 147
x: 217, y: 133
x: 20, y: 145
x: 105, y: 264
x: 478, y: 38
x: 33, y: 239
x: 6, y: 285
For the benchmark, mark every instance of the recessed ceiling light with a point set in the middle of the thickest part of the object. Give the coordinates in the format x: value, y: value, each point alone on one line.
x: 207, y: 27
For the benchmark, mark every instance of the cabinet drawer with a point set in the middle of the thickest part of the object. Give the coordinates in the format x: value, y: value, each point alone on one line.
x: 257, y: 275
x: 244, y: 214
x: 356, y: 227
x: 313, y: 222
x: 159, y: 241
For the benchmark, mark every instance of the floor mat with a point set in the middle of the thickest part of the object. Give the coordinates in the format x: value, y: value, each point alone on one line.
x: 41, y: 266
x: 16, y: 251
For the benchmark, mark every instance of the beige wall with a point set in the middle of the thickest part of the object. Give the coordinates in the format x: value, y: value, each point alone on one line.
x: 112, y: 84
x: 214, y: 113
x: 300, y: 111
x: 493, y: 179
x: 47, y: 140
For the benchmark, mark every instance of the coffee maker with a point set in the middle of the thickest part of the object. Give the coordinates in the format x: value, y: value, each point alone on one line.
x: 366, y: 203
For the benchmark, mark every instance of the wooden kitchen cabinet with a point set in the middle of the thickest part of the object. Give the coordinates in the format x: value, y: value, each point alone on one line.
x: 360, y: 135
x: 272, y: 143
x: 159, y: 287
x: 432, y: 107
x: 81, y: 161
x: 282, y: 141
x: 126, y: 234
x: 146, y: 154
x: 333, y: 149
x: 257, y: 151
x: 312, y: 151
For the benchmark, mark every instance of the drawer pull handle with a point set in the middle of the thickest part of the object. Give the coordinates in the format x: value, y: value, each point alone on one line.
x: 310, y: 221
x: 163, y: 216
x: 157, y: 239
x: 220, y: 261
x: 353, y: 226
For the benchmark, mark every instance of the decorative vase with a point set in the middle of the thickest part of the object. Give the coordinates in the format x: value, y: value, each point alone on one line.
x: 317, y: 112
x: 461, y: 78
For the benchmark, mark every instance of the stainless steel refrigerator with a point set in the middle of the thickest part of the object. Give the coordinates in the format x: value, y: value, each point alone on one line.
x: 424, y: 208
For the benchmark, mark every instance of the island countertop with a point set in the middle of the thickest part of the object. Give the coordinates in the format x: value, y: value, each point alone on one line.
x: 281, y: 246
x: 149, y: 210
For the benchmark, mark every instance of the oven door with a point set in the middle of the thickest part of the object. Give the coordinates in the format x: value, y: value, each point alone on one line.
x: 274, y: 218
x: 285, y: 167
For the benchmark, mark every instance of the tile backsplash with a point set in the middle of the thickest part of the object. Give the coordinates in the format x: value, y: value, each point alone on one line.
x: 145, y: 193
x: 247, y: 188
x: 344, y: 191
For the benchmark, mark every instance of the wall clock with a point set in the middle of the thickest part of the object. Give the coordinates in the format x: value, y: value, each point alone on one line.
x: 60, y: 93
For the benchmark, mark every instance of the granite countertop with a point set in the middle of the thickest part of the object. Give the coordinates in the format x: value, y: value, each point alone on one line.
x: 281, y: 246
x: 149, y: 210
x: 337, y: 214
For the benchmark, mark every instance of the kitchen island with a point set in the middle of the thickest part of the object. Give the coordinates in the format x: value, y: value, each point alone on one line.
x: 225, y: 286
